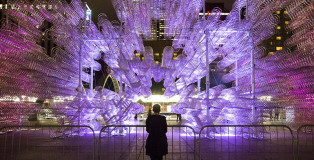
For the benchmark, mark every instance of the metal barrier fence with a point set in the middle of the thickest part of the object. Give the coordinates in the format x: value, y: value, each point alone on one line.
x: 47, y: 142
x: 128, y: 142
x: 305, y: 142
x: 246, y: 142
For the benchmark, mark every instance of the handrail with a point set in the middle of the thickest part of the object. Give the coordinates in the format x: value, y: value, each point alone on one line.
x: 267, y: 125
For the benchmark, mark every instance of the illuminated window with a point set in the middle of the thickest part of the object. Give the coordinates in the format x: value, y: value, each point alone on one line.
x: 163, y: 89
x: 278, y: 27
x: 157, y: 62
x: 278, y: 12
x: 271, y: 43
x: 137, y: 54
x: 213, y: 70
x: 286, y: 22
x: 271, y: 53
x: 156, y: 54
x: 285, y: 12
x: 175, y: 54
x: 278, y: 48
x: 278, y: 38
x: 174, y: 58
x: 142, y: 58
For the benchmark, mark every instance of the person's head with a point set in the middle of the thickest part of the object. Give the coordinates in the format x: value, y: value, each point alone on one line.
x: 156, y: 108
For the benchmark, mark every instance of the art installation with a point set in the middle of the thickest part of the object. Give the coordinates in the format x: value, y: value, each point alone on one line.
x: 30, y: 72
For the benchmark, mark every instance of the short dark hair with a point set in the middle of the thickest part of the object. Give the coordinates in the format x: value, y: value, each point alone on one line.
x: 156, y: 108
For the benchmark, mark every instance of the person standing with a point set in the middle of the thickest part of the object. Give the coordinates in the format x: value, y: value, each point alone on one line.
x: 149, y: 112
x: 277, y: 111
x: 178, y: 117
x: 156, y: 143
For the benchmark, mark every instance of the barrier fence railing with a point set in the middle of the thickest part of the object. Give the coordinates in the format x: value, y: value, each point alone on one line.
x: 128, y: 142
x: 47, y: 142
x: 305, y: 142
x: 246, y: 142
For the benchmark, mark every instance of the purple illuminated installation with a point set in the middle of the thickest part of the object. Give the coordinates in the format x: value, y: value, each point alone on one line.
x: 283, y: 80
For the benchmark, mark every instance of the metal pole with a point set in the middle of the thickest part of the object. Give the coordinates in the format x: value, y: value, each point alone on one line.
x: 80, y: 80
x: 237, y: 78
x: 80, y: 65
x: 252, y: 68
x: 7, y: 13
x: 121, y: 85
x: 252, y: 65
x: 207, y: 61
x: 204, y: 11
x: 207, y: 68
x: 253, y: 78
x: 199, y: 86
x: 120, y: 37
x: 236, y: 63
x: 247, y: 10
x: 91, y: 79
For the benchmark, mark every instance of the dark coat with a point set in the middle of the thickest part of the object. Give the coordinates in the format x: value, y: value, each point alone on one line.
x: 156, y: 144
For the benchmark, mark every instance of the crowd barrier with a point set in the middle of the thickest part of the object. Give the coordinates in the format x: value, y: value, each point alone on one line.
x: 47, y: 142
x: 128, y: 142
x: 305, y: 142
x: 246, y: 142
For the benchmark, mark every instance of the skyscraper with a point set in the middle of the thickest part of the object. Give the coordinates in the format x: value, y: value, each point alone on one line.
x: 276, y: 42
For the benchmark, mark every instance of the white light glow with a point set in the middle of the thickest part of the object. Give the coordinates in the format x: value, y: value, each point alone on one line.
x: 266, y: 98
x: 158, y: 98
x: 17, y: 99
x: 223, y: 14
x: 62, y: 99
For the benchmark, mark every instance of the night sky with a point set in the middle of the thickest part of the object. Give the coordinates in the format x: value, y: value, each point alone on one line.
x: 105, y: 6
